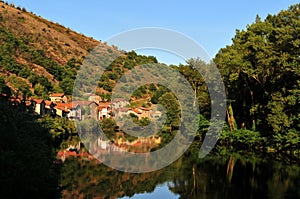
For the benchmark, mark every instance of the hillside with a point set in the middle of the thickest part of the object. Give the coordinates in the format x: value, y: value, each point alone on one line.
x: 36, y: 54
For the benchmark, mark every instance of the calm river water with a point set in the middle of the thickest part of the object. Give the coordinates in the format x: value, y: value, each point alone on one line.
x: 233, y: 176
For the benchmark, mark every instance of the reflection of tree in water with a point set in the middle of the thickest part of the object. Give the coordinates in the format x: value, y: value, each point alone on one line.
x: 190, y: 178
x: 80, y: 177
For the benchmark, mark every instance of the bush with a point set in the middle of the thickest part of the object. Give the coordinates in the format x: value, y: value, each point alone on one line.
x: 241, y: 139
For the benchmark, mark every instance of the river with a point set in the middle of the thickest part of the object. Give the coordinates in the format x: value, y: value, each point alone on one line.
x: 231, y: 176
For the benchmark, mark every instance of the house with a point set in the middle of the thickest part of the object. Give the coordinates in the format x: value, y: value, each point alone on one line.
x: 104, y: 111
x: 137, y: 112
x: 62, y: 110
x: 70, y: 110
x: 89, y: 109
x: 39, y: 106
x: 49, y: 108
x: 155, y: 115
x: 58, y: 97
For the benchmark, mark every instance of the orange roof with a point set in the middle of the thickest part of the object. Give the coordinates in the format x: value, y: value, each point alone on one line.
x: 57, y: 95
x: 70, y: 105
x: 145, y: 109
x: 15, y: 100
x: 64, y: 105
x: 38, y: 101
x: 137, y: 111
x: 48, y: 103
x: 103, y: 105
x: 62, y: 109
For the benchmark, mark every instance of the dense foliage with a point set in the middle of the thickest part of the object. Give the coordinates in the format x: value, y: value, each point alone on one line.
x: 27, y: 159
x: 262, y: 74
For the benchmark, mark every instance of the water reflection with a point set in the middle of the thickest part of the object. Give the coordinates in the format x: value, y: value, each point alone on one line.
x: 161, y: 191
x: 233, y: 176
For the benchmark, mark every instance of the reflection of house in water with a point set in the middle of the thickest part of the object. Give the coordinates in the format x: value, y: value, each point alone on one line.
x: 107, y: 146
x: 121, y: 146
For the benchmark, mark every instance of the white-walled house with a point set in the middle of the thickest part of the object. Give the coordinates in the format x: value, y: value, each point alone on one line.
x: 39, y: 106
x: 104, y: 111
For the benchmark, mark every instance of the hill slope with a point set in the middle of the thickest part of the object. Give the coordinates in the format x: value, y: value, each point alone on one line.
x: 36, y: 53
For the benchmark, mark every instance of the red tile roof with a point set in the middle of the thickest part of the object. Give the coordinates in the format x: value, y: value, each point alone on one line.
x: 48, y: 103
x: 137, y: 111
x: 57, y: 95
x: 63, y: 106
x: 70, y: 105
x: 27, y: 103
x: 145, y: 109
x: 103, y: 105
x: 38, y: 101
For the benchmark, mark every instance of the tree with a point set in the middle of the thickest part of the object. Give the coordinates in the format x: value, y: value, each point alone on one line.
x: 261, y: 71
x: 26, y: 155
x: 170, y: 103
x: 2, y: 84
x: 39, y: 90
x: 67, y: 85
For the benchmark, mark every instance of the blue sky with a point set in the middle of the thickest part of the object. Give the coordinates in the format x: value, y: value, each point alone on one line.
x: 212, y: 23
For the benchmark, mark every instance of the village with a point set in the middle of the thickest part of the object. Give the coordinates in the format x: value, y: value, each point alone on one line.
x: 94, y: 107
x: 60, y: 106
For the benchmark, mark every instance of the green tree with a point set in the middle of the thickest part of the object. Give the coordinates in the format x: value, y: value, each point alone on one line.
x: 170, y: 103
x: 67, y: 85
x: 261, y: 71
x: 39, y: 89
x: 2, y: 84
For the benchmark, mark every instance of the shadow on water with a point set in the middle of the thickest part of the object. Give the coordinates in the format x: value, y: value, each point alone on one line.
x: 26, y: 156
x: 233, y: 176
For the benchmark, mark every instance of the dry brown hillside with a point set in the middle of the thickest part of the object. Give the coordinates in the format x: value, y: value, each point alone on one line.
x: 38, y: 54
x: 60, y: 43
